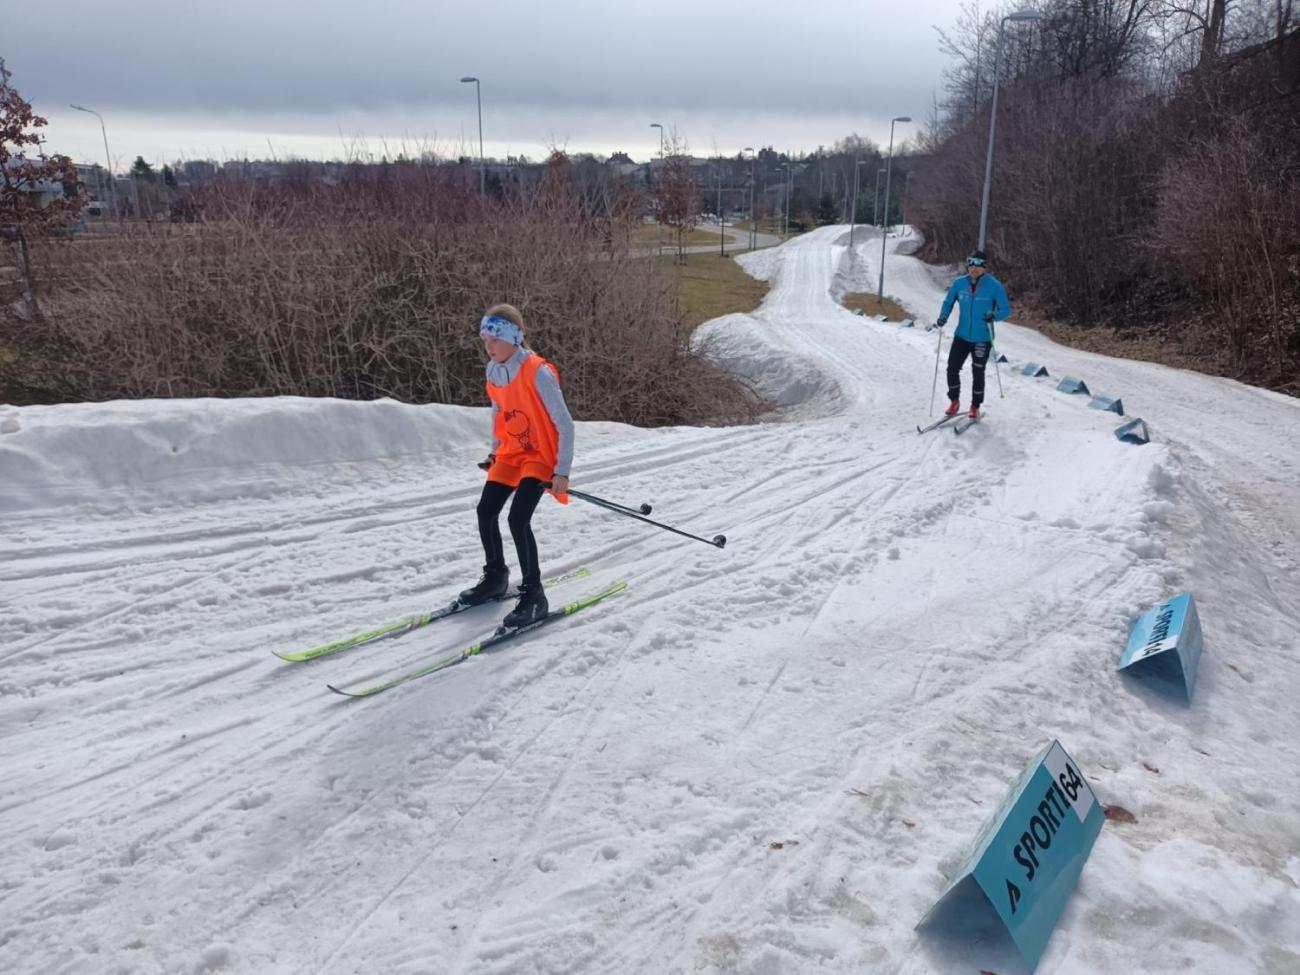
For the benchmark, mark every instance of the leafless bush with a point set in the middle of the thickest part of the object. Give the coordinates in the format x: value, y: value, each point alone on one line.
x: 1229, y: 223
x: 374, y: 288
x: 1127, y: 197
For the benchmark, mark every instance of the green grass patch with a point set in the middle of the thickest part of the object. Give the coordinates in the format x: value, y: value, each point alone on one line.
x: 652, y: 235
x: 766, y: 225
x: 869, y: 304
x: 709, y: 285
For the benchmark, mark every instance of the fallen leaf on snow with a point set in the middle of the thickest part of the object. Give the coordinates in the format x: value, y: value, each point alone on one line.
x: 1119, y: 814
x: 1150, y: 768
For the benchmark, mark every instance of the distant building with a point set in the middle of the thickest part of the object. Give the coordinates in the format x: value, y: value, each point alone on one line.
x: 95, y: 178
x: 197, y: 171
x: 622, y: 164
x: 42, y: 192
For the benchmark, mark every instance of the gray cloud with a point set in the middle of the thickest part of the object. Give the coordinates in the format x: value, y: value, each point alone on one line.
x: 867, y: 59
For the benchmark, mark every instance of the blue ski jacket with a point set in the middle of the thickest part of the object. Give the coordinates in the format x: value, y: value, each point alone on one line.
x: 976, y: 299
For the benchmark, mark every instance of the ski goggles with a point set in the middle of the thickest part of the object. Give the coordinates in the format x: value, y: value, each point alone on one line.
x: 974, y: 262
x: 501, y: 328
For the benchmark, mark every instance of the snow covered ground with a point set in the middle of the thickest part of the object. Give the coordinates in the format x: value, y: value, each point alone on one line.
x: 762, y: 759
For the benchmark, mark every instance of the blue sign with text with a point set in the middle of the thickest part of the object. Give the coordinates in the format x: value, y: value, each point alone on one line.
x: 1168, y: 635
x: 1031, y: 852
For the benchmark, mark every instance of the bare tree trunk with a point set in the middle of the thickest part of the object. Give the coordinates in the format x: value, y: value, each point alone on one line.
x: 1213, y: 35
x: 26, y: 291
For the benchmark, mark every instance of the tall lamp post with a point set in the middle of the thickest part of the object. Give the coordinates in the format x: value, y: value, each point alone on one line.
x: 660, y: 127
x: 112, y: 189
x: 1020, y: 16
x: 789, y: 191
x: 722, y: 219
x: 875, y: 200
x: 753, y: 226
x: 853, y: 207
x: 482, y: 169
x: 884, y: 234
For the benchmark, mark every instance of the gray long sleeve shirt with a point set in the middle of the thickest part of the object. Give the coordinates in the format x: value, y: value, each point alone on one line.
x: 501, y: 374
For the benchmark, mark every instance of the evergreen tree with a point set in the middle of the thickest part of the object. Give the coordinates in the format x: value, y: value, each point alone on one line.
x: 141, y: 170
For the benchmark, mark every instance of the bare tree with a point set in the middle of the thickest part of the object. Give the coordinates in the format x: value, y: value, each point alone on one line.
x: 677, y: 195
x: 38, y: 194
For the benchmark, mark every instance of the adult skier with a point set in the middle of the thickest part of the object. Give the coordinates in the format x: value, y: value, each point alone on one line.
x: 982, y: 301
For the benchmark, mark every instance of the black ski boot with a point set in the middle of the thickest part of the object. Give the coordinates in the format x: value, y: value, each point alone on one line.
x: 492, y: 586
x: 531, y: 607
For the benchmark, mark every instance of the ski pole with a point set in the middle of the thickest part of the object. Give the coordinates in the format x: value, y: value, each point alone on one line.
x: 718, y: 540
x: 997, y: 370
x: 642, y: 508
x: 934, y: 386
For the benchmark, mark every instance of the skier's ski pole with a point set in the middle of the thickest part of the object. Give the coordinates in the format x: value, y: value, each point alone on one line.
x: 641, y: 509
x: 934, y: 386
x: 718, y: 540
x: 997, y: 370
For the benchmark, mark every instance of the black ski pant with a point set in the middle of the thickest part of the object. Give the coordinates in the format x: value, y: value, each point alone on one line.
x: 979, y: 358
x: 490, y: 503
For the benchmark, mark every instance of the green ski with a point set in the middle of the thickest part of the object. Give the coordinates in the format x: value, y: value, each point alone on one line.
x: 411, y: 623
x: 497, y: 638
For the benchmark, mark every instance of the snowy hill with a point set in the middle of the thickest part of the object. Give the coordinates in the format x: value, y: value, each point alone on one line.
x: 763, y: 759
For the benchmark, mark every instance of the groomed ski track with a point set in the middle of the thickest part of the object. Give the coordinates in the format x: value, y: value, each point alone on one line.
x: 763, y: 759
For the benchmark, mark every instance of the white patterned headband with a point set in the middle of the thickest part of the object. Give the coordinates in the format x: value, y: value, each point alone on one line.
x: 501, y: 328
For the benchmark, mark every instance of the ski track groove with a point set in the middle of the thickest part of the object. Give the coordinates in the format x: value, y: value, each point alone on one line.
x: 667, y: 454
x: 530, y: 740
x: 812, y: 530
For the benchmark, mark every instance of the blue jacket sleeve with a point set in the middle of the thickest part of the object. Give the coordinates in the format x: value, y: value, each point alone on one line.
x: 948, y: 301
x: 1001, y: 303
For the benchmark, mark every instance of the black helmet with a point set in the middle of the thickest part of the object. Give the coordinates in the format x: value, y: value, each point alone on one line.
x: 977, y: 259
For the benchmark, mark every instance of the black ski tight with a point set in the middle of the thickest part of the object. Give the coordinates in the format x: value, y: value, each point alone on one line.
x: 491, y: 502
x: 979, y: 353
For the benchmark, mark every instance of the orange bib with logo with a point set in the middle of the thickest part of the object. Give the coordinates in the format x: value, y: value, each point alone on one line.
x: 528, y: 444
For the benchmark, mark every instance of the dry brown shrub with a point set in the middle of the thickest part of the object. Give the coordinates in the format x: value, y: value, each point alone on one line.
x: 374, y: 288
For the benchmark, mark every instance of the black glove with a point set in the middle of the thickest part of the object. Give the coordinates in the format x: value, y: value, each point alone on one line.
x: 988, y: 318
x: 939, y: 324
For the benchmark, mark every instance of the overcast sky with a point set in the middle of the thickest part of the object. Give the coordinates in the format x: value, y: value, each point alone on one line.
x: 234, y: 78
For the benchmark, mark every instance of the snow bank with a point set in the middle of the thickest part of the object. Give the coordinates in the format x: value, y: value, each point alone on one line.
x: 762, y: 759
x: 209, y: 449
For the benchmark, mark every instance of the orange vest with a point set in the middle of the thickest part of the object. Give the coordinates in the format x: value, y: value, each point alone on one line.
x: 524, y: 430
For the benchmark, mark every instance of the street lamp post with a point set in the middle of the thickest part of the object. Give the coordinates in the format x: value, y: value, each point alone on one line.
x: 722, y: 221
x: 875, y: 200
x: 853, y: 207
x: 659, y: 126
x: 884, y: 234
x: 482, y: 169
x: 112, y: 189
x: 789, y: 191
x: 1023, y: 15
x: 753, y: 225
